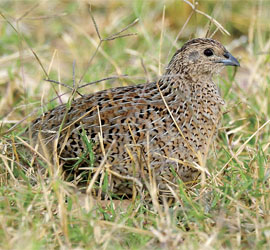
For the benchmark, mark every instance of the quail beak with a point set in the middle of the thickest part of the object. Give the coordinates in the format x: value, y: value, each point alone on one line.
x: 230, y: 60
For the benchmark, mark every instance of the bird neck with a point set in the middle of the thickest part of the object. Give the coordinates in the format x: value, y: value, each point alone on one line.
x: 177, y: 86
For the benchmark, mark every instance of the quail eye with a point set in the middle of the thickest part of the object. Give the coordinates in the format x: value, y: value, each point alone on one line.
x: 208, y: 52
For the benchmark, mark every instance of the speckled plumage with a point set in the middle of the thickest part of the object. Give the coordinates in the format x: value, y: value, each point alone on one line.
x: 136, y: 125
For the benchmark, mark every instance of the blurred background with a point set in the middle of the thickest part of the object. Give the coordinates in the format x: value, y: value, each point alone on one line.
x: 58, y: 39
x: 61, y: 33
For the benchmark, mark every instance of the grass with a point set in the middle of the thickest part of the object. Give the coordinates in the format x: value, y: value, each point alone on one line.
x: 228, y: 210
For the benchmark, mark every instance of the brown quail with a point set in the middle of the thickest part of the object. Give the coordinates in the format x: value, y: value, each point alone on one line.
x: 164, y: 127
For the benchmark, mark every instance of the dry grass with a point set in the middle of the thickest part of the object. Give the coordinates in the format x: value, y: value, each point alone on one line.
x: 57, y: 39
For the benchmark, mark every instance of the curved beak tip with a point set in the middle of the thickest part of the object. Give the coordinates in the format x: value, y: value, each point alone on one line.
x: 230, y: 60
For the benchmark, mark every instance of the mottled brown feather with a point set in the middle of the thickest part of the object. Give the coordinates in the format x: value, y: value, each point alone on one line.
x: 130, y: 115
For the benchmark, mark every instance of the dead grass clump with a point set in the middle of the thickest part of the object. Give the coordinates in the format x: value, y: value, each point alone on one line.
x: 56, y: 41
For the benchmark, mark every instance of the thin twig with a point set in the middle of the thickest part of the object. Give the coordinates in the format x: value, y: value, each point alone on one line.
x: 161, y: 40
x: 220, y: 27
x: 145, y: 71
x: 239, y: 151
x: 101, y: 40
x: 27, y: 12
x: 73, y: 74
x: 102, y: 80
x: 59, y: 83
x: 119, y: 36
x: 94, y: 21
x: 34, y: 18
x: 208, y: 28
x: 90, y: 61
x: 179, y: 34
x: 22, y: 37
x: 94, y: 178
x: 124, y: 29
x: 31, y: 115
